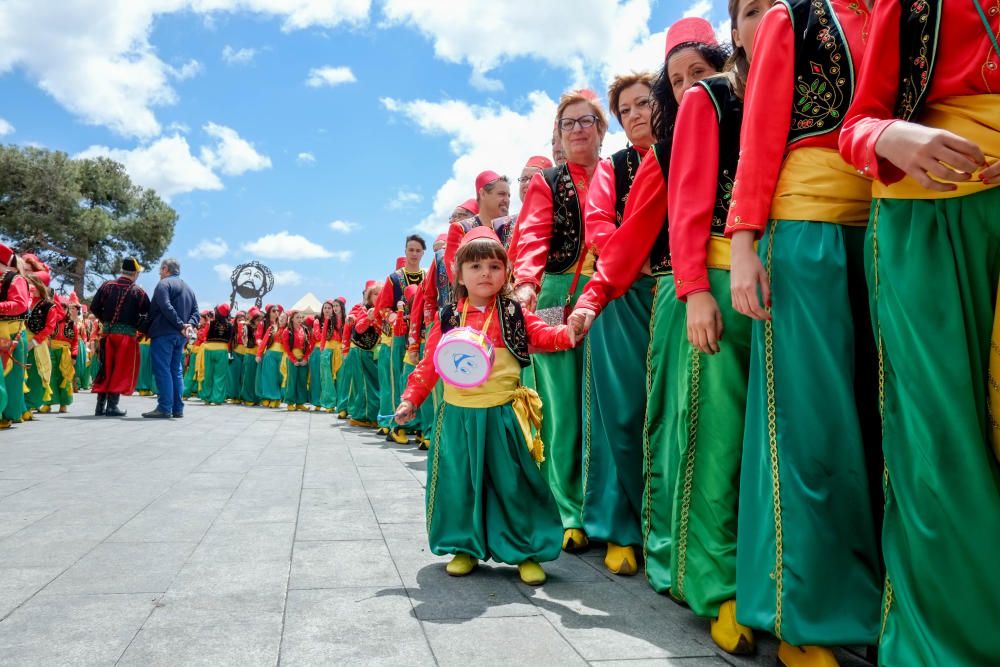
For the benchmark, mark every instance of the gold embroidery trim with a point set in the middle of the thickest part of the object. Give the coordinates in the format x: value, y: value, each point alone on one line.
x: 692, y: 441
x: 772, y: 433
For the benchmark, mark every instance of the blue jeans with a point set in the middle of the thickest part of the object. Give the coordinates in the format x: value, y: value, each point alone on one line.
x: 167, y: 356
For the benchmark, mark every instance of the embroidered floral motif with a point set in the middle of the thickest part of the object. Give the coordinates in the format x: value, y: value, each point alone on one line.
x: 514, y: 330
x: 567, y: 223
x: 366, y: 340
x: 625, y: 163
x: 918, y: 44
x: 724, y: 199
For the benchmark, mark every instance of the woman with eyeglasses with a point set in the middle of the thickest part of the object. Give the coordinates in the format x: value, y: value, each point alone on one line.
x: 925, y: 124
x: 551, y: 266
x: 615, y: 351
x: 810, y: 485
x: 639, y: 250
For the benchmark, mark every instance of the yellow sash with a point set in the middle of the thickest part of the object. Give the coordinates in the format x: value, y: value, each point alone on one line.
x: 199, y: 363
x: 241, y: 349
x: 66, y: 366
x: 504, y: 386
x: 215, y: 346
x: 10, y: 329
x: 283, y: 369
x: 973, y: 117
x: 275, y: 347
x: 817, y: 184
x: 43, y: 366
x: 336, y: 359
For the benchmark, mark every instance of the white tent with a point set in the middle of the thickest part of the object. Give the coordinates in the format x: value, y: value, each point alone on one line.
x: 308, y: 304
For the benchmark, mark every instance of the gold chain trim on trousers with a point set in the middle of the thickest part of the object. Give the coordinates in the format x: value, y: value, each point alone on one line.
x: 647, y: 509
x: 692, y: 441
x: 436, y: 446
x: 772, y: 433
x: 587, y: 419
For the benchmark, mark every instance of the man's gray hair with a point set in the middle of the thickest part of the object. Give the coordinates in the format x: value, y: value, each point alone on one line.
x: 172, y: 266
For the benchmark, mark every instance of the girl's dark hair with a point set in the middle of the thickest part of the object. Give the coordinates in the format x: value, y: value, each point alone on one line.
x: 418, y: 238
x: 739, y: 63
x: 664, y: 105
x: 337, y: 318
x: 477, y: 251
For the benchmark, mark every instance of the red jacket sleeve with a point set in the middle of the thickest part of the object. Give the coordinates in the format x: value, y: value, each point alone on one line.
x: 416, y: 323
x: 455, y: 234
x: 601, y: 213
x: 202, y: 335
x: 362, y: 321
x: 424, y: 376
x: 430, y: 292
x: 18, y: 297
x: 628, y: 249
x: 767, y: 115
x: 51, y: 319
x: 875, y: 97
x: 534, y: 227
x: 283, y: 338
x: 544, y: 337
x: 384, y: 303
x: 345, y: 338
x: 694, y: 168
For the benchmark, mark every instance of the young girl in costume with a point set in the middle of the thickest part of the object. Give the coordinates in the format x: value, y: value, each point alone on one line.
x: 15, y: 301
x: 297, y: 343
x: 145, y: 384
x: 239, y: 350
x: 345, y: 376
x: 248, y: 390
x: 215, y: 349
x: 486, y: 497
x: 62, y: 351
x: 269, y: 355
x: 195, y: 372
x: 364, y: 340
x: 315, y: 382
x: 329, y: 328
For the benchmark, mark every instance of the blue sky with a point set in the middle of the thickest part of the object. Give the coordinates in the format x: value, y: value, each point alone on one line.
x: 312, y: 135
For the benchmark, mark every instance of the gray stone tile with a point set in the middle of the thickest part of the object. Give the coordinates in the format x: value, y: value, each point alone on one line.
x: 352, y: 626
x: 489, y: 591
x: 342, y: 564
x: 663, y: 662
x: 343, y: 524
x: 182, y: 635
x: 72, y: 629
x: 122, y: 567
x: 257, y: 587
x: 12, y: 522
x: 18, y: 584
x: 514, y: 641
x: 228, y: 542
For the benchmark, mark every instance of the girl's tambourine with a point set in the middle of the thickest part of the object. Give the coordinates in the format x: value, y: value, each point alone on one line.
x: 464, y: 357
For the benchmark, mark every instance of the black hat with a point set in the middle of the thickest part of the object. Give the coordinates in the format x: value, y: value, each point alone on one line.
x: 131, y: 265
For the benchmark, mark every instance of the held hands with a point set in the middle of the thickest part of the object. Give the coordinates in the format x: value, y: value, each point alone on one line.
x: 704, y: 322
x: 746, y: 275
x: 526, y: 295
x: 580, y: 320
x: 405, y: 412
x: 923, y: 152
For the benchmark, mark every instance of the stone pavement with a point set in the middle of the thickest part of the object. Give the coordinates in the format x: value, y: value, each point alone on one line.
x: 259, y: 537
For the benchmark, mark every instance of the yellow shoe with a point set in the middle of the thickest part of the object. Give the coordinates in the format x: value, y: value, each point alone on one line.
x: 621, y: 560
x: 531, y: 573
x: 425, y: 444
x: 248, y: 404
x: 27, y: 416
x: 63, y: 409
x: 4, y: 424
x: 574, y: 540
x: 731, y: 636
x: 382, y: 431
x: 44, y: 410
x: 331, y: 410
x: 342, y: 414
x: 292, y: 407
x: 805, y: 656
x: 398, y: 436
x: 461, y: 565
x: 361, y: 423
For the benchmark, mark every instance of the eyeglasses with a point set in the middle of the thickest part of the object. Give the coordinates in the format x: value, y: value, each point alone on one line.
x: 567, y: 124
x: 640, y: 104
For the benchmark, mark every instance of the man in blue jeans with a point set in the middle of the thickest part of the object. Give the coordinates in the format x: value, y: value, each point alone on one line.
x: 173, y: 315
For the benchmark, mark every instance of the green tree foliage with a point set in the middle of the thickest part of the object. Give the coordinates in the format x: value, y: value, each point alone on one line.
x: 80, y: 216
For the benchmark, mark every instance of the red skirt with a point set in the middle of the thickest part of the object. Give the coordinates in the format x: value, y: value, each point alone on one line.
x: 119, y: 354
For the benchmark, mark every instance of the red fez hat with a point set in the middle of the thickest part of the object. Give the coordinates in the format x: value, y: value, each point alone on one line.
x: 239, y: 314
x: 342, y: 299
x: 370, y: 284
x: 587, y: 94
x: 485, y: 179
x: 481, y: 232
x: 539, y: 161
x: 441, y: 237
x: 309, y: 321
x: 223, y: 309
x: 205, y: 313
x: 280, y: 308
x: 687, y: 31
x: 400, y: 262
x: 6, y: 255
x: 470, y: 205
x: 253, y: 312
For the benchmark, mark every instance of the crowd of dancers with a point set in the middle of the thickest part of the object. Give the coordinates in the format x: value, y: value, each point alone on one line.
x: 753, y: 353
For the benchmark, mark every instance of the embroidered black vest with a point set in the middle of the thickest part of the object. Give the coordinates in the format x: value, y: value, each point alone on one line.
x: 367, y: 340
x: 8, y: 278
x: 824, y: 70
x: 502, y: 226
x: 659, y: 256
x: 512, y: 327
x: 919, y: 32
x: 69, y: 330
x: 443, y: 285
x: 729, y: 114
x: 567, y: 221
x: 400, y: 280
x: 219, y: 331
x: 249, y: 341
x: 626, y: 163
x: 37, y: 316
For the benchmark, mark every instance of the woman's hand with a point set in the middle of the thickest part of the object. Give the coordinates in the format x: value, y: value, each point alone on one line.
x: 526, y: 295
x: 405, y: 412
x: 580, y: 320
x: 923, y: 152
x: 746, y: 276
x: 991, y: 175
x: 704, y: 322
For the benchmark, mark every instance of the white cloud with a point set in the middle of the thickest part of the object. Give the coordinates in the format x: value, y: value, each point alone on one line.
x: 233, y: 56
x: 344, y: 227
x: 342, y: 255
x: 287, y: 246
x: 5, y: 128
x: 404, y: 199
x: 329, y: 76
x: 95, y: 58
x: 166, y: 165
x: 188, y: 70
x: 224, y: 272
x: 209, y: 249
x: 232, y: 155
x: 698, y: 9
x: 287, y: 278
x: 306, y: 158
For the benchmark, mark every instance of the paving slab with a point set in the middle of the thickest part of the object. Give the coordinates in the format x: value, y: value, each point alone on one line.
x: 245, y: 536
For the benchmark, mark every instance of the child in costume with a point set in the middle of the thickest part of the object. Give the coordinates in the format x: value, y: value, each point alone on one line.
x: 364, y: 341
x: 62, y: 355
x: 297, y: 343
x: 269, y: 355
x: 486, y: 497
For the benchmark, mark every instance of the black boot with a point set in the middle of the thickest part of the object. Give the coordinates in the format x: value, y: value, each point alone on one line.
x: 112, y: 410
x: 102, y: 402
